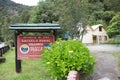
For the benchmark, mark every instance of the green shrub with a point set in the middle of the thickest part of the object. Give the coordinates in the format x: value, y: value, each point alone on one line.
x: 64, y: 56
x: 113, y: 41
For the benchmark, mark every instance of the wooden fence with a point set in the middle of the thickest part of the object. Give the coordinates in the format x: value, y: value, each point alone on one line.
x: 3, y: 50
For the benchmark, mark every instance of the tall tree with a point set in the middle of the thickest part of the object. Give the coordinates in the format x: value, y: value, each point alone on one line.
x: 71, y: 13
x: 24, y: 16
x: 112, y: 5
x: 44, y: 13
x: 114, y: 27
x: 7, y: 35
x: 10, y: 13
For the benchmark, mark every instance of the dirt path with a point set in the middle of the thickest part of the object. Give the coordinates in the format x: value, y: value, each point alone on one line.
x: 106, y: 63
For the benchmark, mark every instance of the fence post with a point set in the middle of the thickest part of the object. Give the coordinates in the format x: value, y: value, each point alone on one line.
x: 3, y: 50
x: 0, y: 52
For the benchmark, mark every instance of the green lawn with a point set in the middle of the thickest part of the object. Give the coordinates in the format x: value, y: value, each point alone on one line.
x: 31, y: 69
x: 117, y: 54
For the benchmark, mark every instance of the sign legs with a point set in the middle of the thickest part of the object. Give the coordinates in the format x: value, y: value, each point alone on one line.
x: 18, y: 62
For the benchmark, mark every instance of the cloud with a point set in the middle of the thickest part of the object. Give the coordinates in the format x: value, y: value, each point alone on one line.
x: 28, y: 2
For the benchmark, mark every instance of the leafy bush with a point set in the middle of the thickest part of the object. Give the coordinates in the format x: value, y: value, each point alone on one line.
x: 113, y: 41
x: 64, y: 56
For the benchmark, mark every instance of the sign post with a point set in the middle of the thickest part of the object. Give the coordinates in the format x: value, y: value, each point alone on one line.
x: 17, y: 62
x: 29, y: 47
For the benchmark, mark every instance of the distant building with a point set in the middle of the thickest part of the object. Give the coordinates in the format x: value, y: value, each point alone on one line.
x: 95, y: 34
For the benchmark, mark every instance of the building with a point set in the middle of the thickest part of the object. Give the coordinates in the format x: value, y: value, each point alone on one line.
x: 95, y: 34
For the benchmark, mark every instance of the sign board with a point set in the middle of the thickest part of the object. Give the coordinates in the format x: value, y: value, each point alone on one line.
x: 29, y: 47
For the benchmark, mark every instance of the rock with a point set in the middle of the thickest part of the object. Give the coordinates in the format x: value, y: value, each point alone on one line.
x: 72, y: 75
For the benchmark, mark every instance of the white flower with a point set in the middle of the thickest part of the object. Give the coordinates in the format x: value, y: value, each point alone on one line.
x: 48, y: 62
x: 70, y: 51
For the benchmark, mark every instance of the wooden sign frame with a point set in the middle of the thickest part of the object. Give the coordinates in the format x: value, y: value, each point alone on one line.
x: 39, y: 42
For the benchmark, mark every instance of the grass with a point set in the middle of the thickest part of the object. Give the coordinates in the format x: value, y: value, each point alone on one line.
x: 31, y: 69
x: 117, y: 54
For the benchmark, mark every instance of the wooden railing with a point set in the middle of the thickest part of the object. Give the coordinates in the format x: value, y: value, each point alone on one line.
x: 3, y: 50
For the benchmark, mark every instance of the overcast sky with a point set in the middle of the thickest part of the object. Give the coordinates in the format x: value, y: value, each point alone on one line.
x: 27, y: 2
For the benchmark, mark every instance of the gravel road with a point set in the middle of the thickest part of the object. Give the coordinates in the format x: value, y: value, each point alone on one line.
x: 106, y: 63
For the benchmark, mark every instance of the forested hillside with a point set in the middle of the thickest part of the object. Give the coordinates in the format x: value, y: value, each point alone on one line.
x: 68, y: 13
x: 11, y: 13
x: 71, y: 12
x: 9, y: 8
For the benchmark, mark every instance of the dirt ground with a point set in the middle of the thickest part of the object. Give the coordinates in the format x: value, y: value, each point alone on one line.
x: 106, y: 63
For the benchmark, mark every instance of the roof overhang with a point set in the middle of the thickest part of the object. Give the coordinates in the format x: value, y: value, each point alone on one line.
x: 41, y: 26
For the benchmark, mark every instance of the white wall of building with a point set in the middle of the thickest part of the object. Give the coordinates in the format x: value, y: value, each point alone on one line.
x: 87, y: 38
x: 101, y: 36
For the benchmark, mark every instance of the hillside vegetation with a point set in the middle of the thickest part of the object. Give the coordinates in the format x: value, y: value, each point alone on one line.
x: 67, y: 13
x: 11, y: 13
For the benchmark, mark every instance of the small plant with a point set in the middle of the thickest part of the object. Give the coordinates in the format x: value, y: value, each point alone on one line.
x: 64, y: 56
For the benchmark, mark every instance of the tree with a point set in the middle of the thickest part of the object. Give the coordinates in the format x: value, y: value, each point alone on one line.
x: 71, y: 12
x: 112, y: 5
x: 24, y: 16
x: 107, y: 16
x: 44, y: 13
x: 96, y: 10
x: 5, y: 33
x: 114, y: 27
x: 11, y: 13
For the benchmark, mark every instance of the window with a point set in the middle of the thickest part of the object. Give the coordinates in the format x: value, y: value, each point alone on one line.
x: 100, y: 28
x: 105, y: 38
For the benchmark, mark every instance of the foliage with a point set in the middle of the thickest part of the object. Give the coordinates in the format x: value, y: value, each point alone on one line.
x: 71, y: 13
x: 64, y: 56
x: 114, y: 27
x: 113, y: 41
x: 11, y: 13
x: 112, y: 5
x: 85, y: 11
x: 107, y: 16
x: 44, y: 13
x: 67, y: 13
x: 24, y: 18
x: 7, y: 35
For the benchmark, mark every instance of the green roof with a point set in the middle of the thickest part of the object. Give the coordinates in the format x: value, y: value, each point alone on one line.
x: 41, y: 26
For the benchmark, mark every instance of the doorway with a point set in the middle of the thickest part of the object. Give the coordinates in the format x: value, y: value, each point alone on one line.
x: 94, y: 39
